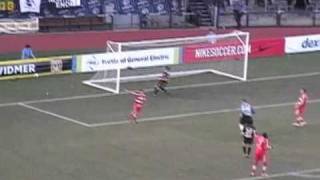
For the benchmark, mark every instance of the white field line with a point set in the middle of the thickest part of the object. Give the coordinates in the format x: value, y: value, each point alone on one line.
x: 306, y: 176
x: 293, y: 173
x: 53, y: 114
x: 169, y: 88
x: 160, y: 118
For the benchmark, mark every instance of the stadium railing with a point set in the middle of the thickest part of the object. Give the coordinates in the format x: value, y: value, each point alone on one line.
x: 271, y: 18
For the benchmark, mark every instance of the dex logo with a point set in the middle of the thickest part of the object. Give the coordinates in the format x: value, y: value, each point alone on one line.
x: 310, y: 43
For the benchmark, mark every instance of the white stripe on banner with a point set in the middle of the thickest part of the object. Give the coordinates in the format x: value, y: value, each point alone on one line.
x: 30, y: 6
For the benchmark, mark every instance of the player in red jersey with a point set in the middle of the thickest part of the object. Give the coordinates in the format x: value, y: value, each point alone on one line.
x: 139, y: 100
x: 300, y: 108
x: 262, y: 147
x: 162, y: 81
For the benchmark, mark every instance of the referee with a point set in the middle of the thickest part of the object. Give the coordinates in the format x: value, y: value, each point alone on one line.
x: 247, y: 112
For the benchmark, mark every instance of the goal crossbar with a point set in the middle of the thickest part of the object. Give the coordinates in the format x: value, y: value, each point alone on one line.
x: 175, y: 41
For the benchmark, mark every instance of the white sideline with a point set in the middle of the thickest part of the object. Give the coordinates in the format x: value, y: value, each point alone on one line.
x: 169, y: 88
x: 195, y: 114
x: 293, y: 173
x: 54, y: 114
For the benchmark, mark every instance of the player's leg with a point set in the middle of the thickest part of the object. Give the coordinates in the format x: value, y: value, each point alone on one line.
x: 244, y: 147
x: 257, y: 159
x: 163, y: 85
x: 302, y: 122
x: 134, y: 113
x: 254, y: 168
x: 250, y: 141
x: 264, y: 166
x: 297, y: 118
x: 156, y: 89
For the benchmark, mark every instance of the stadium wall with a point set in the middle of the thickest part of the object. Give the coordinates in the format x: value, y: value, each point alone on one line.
x: 73, y: 41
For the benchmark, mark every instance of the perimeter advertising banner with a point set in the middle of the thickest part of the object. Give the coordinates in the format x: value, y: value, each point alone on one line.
x: 30, y: 68
x: 300, y: 44
x: 267, y: 48
x: 19, y: 26
x: 232, y: 50
x: 134, y: 59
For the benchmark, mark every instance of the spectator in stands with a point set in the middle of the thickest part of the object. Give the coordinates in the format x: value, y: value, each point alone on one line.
x: 189, y: 15
x: 143, y: 20
x: 238, y: 11
x: 27, y: 52
x: 196, y: 18
x: 212, y: 36
x: 220, y: 4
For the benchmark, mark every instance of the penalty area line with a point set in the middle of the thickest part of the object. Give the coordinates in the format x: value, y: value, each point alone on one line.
x: 293, y: 173
x: 53, y: 114
x: 167, y: 117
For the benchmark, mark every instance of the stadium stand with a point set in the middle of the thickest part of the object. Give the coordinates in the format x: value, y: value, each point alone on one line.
x: 108, y: 14
x: 90, y: 14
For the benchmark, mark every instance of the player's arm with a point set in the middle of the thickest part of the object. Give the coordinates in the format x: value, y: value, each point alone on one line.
x: 243, y: 131
x: 130, y: 92
x: 299, y: 102
x: 252, y: 110
x: 269, y: 146
x: 253, y: 133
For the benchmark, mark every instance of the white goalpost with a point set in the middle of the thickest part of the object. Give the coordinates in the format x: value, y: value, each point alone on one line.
x: 222, y: 54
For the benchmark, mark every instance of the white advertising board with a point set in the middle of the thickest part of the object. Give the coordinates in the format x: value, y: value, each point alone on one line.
x: 300, y: 44
x: 18, y: 26
x: 133, y: 59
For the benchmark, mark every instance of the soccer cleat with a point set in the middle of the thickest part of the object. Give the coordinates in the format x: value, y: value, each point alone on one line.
x: 252, y: 174
x: 244, y: 155
x: 264, y: 175
x: 303, y: 123
x: 296, y: 124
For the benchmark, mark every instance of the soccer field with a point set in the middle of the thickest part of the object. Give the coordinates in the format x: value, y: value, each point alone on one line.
x: 57, y: 128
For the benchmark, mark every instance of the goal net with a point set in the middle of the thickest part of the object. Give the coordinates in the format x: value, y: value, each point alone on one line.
x: 222, y: 54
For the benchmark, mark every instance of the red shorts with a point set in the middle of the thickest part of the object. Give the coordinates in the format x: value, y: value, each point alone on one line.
x: 299, y: 112
x: 136, y: 108
x: 260, y: 157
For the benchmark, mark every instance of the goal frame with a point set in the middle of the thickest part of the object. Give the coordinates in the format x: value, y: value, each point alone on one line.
x: 114, y: 47
x: 235, y: 33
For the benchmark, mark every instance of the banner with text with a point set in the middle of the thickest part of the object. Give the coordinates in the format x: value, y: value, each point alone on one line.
x: 122, y: 60
x: 65, y: 3
x: 30, y: 68
x: 299, y: 44
x: 232, y: 50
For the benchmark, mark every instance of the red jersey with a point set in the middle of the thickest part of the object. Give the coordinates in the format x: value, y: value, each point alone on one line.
x: 164, y: 76
x: 139, y: 97
x: 302, y: 101
x: 262, y: 144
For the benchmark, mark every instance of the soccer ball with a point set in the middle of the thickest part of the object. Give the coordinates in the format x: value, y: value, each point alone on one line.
x: 36, y: 75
